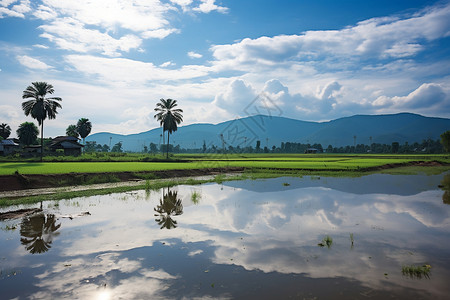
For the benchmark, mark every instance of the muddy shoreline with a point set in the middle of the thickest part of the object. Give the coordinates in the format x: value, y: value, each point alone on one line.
x: 19, y: 182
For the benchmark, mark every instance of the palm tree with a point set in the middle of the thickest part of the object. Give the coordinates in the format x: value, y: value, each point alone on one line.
x: 5, y: 130
x: 40, y: 107
x: 169, y: 117
x: 71, y: 130
x: 84, y: 127
x: 27, y: 133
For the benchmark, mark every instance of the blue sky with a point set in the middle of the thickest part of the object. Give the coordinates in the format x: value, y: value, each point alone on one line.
x: 112, y: 60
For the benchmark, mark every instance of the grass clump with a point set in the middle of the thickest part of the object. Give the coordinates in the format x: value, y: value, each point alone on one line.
x: 195, y: 197
x: 326, y: 241
x: 417, y: 271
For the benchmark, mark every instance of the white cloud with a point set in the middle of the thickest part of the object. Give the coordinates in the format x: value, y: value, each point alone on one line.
x: 40, y: 46
x: 167, y: 64
x: 374, y: 38
x: 425, y: 97
x: 86, y: 25
x: 236, y: 97
x: 208, y: 6
x: 70, y: 34
x: 158, y: 33
x: 121, y: 70
x: 19, y: 9
x: 193, y: 54
x: 32, y: 63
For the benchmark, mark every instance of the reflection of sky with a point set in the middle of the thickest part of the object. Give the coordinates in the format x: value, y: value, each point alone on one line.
x: 120, y: 251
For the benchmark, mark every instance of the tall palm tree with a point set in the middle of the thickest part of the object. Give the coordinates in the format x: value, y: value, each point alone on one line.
x: 27, y: 133
x: 71, y: 130
x: 40, y: 107
x: 84, y: 127
x: 5, y: 130
x: 169, y: 117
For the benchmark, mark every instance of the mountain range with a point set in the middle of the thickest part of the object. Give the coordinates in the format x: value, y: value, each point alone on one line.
x: 272, y: 131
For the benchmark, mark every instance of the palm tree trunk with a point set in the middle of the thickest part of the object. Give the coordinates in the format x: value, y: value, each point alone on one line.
x: 164, y: 141
x: 167, y: 150
x: 42, y: 139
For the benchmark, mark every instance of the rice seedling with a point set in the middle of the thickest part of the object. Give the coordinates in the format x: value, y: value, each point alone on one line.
x: 195, y: 197
x: 416, y: 271
x: 326, y: 241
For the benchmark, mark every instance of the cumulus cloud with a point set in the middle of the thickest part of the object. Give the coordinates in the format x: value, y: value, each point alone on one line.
x: 236, y: 97
x: 167, y: 64
x: 14, y: 8
x: 122, y: 70
x: 70, y: 34
x: 427, y: 96
x: 377, y: 38
x: 32, y: 63
x: 208, y: 6
x: 193, y: 54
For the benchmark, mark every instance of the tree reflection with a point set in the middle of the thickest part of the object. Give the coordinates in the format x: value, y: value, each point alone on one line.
x: 37, y: 232
x: 445, y: 185
x: 168, y: 207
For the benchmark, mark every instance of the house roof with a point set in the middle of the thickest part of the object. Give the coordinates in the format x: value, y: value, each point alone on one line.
x: 65, y: 142
x: 8, y: 143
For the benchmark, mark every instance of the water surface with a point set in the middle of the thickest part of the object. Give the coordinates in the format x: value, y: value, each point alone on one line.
x: 237, y: 240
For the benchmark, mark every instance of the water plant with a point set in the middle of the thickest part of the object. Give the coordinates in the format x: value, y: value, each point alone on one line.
x: 416, y: 271
x: 326, y: 241
x: 195, y: 197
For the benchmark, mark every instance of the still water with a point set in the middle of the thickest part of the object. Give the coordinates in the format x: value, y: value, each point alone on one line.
x: 261, y: 239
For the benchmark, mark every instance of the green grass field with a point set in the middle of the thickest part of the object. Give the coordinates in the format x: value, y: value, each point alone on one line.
x: 263, y: 161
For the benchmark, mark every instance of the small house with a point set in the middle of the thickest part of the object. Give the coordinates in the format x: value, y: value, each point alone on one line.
x: 311, y: 150
x: 69, y: 144
x: 8, y: 146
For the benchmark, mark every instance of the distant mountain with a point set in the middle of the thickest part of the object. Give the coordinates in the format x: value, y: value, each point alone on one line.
x: 384, y: 129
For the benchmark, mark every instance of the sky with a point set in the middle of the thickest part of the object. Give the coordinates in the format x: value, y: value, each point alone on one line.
x: 112, y: 60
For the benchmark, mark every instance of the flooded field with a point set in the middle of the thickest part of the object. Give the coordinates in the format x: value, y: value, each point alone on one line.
x: 378, y: 236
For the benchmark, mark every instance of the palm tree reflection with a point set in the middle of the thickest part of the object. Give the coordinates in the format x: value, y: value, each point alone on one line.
x: 37, y: 232
x: 445, y: 185
x: 168, y: 207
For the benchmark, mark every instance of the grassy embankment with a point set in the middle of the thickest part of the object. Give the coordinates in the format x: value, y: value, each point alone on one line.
x: 268, y: 162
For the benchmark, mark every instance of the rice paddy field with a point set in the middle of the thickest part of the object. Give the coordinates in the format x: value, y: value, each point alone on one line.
x: 195, y: 161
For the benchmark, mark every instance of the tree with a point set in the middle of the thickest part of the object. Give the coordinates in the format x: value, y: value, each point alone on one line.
x: 71, y: 130
x: 84, y: 127
x: 169, y: 117
x: 91, y: 146
x: 117, y: 147
x: 395, y: 147
x: 445, y: 140
x: 153, y: 148
x: 27, y: 133
x: 40, y: 107
x: 5, y: 130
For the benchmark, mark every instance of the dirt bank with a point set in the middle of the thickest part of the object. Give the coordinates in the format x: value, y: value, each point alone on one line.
x: 21, y: 182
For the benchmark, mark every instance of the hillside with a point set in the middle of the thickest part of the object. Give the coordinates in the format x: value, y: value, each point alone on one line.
x: 403, y: 127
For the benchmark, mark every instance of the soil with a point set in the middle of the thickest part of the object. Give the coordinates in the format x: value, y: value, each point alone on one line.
x: 18, y: 213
